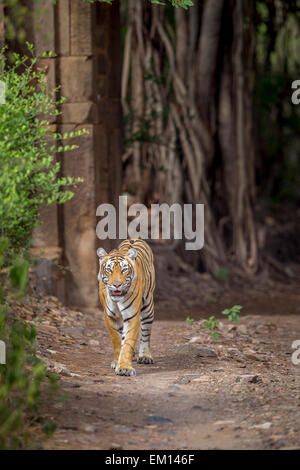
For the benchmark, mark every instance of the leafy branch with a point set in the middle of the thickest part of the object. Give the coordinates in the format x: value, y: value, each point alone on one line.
x: 212, y: 324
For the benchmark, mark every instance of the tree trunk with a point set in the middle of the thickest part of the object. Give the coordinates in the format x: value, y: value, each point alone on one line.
x: 189, y: 117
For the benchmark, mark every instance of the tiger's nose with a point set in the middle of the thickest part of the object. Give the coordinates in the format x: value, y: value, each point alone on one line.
x: 117, y: 284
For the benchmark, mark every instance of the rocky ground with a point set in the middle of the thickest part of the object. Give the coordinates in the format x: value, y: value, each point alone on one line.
x: 239, y: 392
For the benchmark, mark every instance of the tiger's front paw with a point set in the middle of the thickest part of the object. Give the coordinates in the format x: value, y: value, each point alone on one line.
x: 125, y: 371
x: 145, y: 360
x: 113, y: 364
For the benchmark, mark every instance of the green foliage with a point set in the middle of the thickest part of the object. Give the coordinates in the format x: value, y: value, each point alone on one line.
x: 222, y: 274
x: 176, y: 3
x: 233, y: 313
x: 212, y: 324
x: 29, y: 174
x: 19, y: 273
x: 22, y: 375
x: 19, y: 13
x: 189, y: 320
x: 14, y: 21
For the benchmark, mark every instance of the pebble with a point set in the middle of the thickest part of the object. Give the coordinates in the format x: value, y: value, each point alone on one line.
x: 75, y: 333
x: 190, y: 349
x: 124, y: 429
x: 242, y: 329
x: 247, y: 378
x: 89, y: 428
x: 51, y: 351
x: 157, y: 419
x: 200, y: 407
x: 262, y: 426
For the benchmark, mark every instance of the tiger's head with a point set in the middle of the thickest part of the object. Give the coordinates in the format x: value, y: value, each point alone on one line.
x: 116, y: 271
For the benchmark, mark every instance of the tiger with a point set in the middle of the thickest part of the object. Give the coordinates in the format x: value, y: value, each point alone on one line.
x: 126, y: 287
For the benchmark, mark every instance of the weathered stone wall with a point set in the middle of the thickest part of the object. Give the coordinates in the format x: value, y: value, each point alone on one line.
x: 86, y: 39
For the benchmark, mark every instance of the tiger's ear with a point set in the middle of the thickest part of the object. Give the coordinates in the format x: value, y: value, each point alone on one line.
x: 101, y: 253
x: 132, y: 254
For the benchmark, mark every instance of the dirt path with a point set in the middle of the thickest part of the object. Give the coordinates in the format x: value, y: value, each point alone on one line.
x: 240, y: 392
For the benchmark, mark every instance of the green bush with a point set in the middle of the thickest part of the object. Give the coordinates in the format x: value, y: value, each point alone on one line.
x: 29, y: 178
x: 22, y: 375
x: 29, y: 174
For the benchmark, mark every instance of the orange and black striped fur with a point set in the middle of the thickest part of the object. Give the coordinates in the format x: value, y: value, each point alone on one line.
x: 126, y: 284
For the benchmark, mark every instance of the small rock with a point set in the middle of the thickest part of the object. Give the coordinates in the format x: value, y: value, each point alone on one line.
x: 75, y: 333
x: 262, y: 426
x: 115, y: 446
x: 123, y: 429
x: 61, y: 369
x: 157, y: 419
x: 242, y: 329
x: 247, y: 378
x: 190, y: 349
x: 223, y: 422
x: 197, y: 339
x: 200, y: 407
x: 231, y: 328
x: 89, y: 428
x: 51, y: 351
x: 204, y: 352
x: 94, y: 342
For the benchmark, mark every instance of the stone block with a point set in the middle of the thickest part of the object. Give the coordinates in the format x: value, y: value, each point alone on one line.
x: 76, y: 78
x: 46, y: 234
x: 44, y: 27
x: 63, y: 27
x: 77, y: 113
x: 81, y: 28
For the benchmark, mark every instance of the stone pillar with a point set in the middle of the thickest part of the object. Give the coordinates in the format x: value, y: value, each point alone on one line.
x: 46, y: 246
x: 88, y: 68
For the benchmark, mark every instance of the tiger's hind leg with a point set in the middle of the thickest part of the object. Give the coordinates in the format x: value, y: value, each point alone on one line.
x: 147, y: 316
